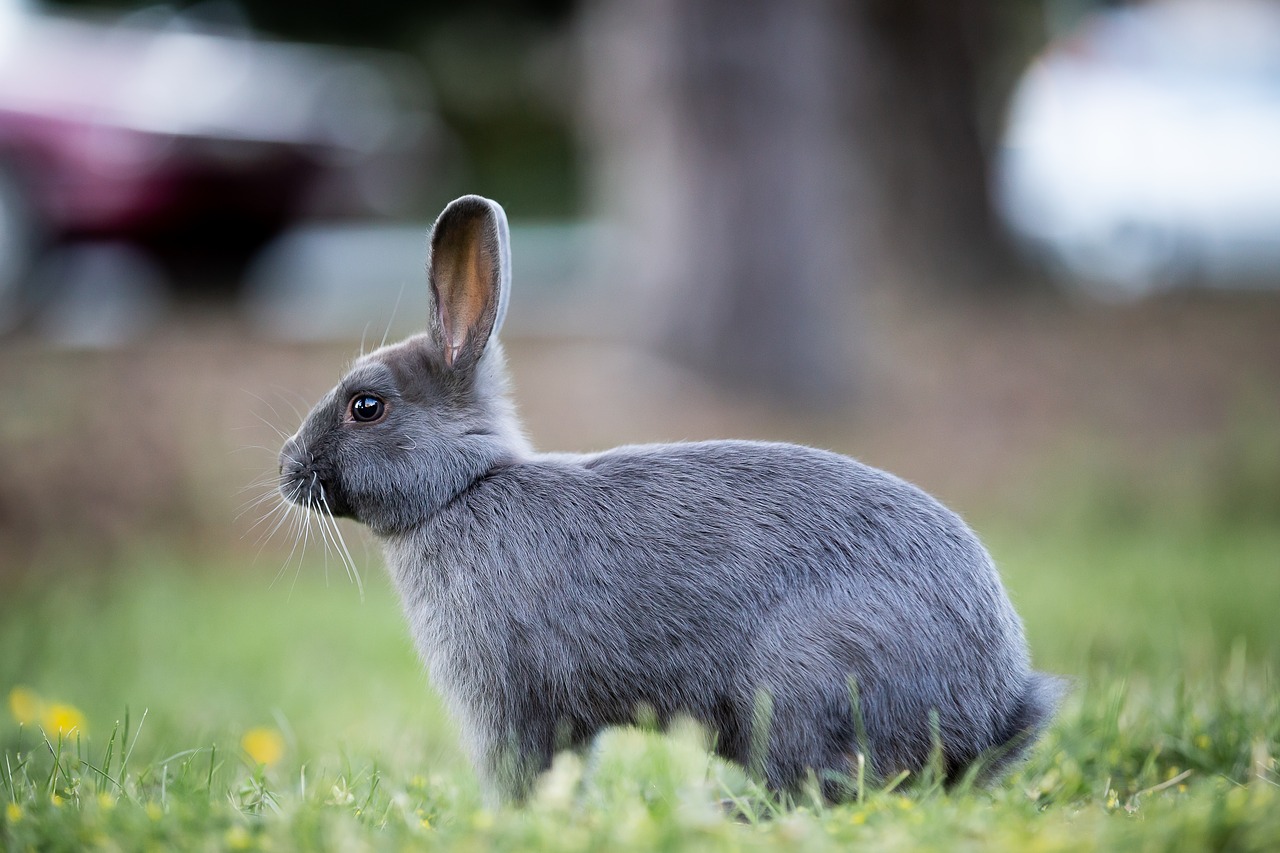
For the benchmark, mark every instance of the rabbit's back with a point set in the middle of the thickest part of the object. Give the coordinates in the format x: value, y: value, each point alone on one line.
x: 698, y: 578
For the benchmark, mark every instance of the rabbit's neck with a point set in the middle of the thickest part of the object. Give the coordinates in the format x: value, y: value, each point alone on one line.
x: 493, y: 385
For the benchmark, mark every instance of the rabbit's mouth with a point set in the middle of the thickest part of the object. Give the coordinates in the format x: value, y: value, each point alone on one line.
x: 302, y: 483
x: 306, y: 484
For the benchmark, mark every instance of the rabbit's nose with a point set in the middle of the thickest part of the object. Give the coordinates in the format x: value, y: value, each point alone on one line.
x: 290, y: 457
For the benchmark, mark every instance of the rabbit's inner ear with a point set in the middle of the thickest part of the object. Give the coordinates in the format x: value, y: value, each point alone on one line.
x: 465, y: 277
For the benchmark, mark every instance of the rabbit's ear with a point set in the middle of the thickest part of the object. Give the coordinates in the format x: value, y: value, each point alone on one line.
x: 469, y: 271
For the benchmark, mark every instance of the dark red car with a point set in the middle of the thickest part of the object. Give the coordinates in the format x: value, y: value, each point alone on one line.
x: 163, y: 133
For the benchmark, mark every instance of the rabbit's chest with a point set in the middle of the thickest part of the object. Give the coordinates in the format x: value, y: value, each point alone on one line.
x: 462, y: 630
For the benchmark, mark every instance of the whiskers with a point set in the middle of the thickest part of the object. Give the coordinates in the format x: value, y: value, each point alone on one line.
x: 334, y: 536
x: 300, y: 511
x: 281, y: 513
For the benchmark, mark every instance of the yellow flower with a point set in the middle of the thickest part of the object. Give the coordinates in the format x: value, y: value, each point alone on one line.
x: 62, y: 719
x: 1203, y: 741
x: 238, y: 838
x: 264, y: 745
x: 56, y: 718
x: 25, y: 705
x: 55, y: 801
x: 13, y: 812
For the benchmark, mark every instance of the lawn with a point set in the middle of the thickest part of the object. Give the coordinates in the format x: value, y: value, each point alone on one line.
x: 208, y: 706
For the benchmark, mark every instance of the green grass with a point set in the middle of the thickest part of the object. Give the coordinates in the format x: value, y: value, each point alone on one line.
x: 1168, y: 741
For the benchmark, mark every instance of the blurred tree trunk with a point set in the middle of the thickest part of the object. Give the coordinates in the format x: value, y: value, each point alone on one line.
x: 762, y: 154
x: 920, y: 124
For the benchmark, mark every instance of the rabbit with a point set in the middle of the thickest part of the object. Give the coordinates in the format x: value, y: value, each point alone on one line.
x: 819, y: 617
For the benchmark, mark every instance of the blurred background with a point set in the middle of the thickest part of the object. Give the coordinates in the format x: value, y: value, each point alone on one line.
x: 1025, y: 254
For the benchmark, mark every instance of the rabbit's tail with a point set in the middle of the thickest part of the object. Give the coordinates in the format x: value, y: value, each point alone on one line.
x: 1026, y: 721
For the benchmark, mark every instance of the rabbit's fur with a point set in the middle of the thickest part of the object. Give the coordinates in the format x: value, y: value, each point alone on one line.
x: 802, y: 606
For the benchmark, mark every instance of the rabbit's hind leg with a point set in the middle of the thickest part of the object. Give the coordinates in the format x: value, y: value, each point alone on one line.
x: 804, y: 737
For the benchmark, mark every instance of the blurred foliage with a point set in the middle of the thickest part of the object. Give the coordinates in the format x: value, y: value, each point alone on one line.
x: 500, y: 73
x: 505, y: 86
x: 373, y: 23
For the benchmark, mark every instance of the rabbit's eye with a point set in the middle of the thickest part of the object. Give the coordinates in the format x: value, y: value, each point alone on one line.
x: 367, y: 408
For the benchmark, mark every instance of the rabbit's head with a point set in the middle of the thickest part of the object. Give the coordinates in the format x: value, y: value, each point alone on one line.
x: 412, y: 424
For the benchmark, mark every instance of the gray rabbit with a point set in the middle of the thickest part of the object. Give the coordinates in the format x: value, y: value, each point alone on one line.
x: 805, y: 608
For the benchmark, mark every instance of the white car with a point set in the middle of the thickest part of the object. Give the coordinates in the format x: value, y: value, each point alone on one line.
x: 1143, y: 151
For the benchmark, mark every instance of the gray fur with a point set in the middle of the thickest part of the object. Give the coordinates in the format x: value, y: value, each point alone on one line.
x: 802, y: 606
